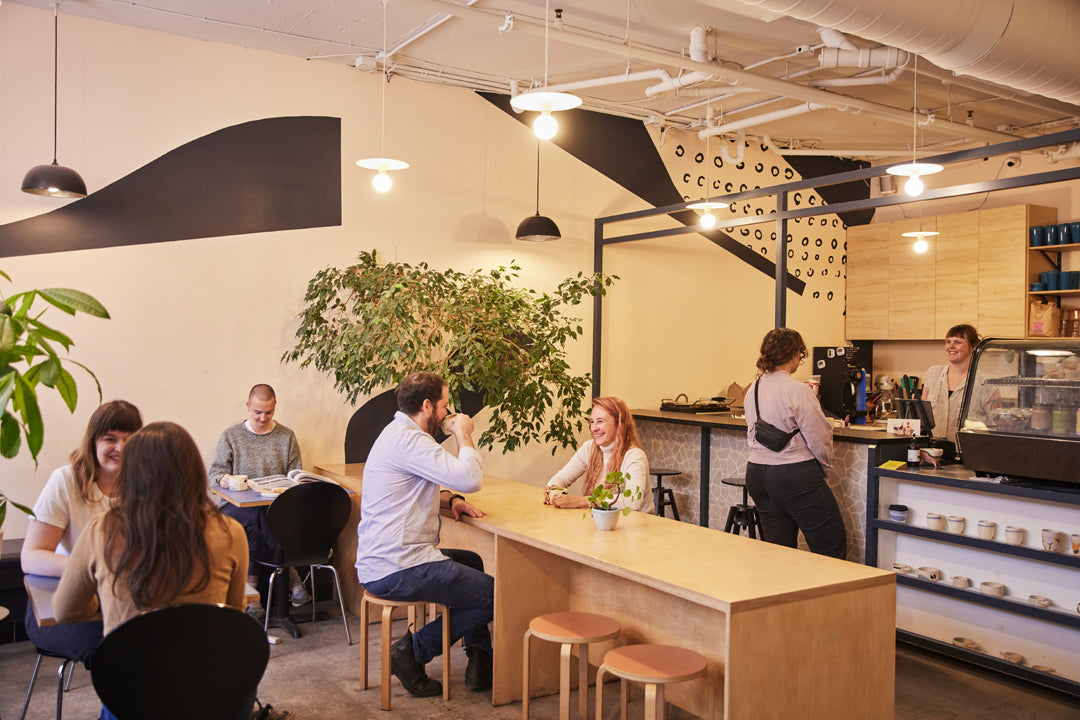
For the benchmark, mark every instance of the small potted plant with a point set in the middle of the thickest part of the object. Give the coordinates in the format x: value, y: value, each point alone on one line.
x: 603, y: 497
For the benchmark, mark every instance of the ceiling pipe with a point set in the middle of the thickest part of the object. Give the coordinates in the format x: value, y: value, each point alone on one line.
x: 886, y: 79
x: 1016, y: 44
x: 721, y: 72
x: 699, y: 52
x: 740, y: 148
x: 1062, y: 152
x: 657, y: 74
x: 760, y: 119
x: 833, y: 38
x: 886, y: 57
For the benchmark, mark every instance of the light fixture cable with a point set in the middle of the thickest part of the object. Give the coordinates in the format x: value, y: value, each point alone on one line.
x: 382, y: 164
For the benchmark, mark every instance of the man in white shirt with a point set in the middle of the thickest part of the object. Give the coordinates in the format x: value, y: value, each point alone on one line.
x: 408, y: 477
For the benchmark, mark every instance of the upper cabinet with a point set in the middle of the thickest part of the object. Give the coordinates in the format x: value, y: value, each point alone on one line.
x: 974, y: 272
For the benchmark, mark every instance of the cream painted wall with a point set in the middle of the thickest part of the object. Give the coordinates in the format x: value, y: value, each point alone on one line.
x: 196, y: 323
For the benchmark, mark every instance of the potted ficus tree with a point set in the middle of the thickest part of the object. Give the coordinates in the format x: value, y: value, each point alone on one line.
x: 604, y: 496
x: 370, y: 324
x: 29, y: 359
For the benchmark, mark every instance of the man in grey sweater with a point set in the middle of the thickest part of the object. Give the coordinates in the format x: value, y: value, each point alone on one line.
x: 256, y: 447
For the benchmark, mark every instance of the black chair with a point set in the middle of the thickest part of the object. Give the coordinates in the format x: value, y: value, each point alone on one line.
x: 664, y: 497
x: 743, y: 515
x: 306, y: 521
x: 67, y: 667
x: 181, y: 662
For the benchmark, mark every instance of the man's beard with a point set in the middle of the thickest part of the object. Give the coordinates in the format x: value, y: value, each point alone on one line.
x: 433, y: 426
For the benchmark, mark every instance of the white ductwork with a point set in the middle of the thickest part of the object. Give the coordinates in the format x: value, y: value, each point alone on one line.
x: 1029, y: 45
x: 833, y: 38
x: 884, y: 57
x: 885, y: 79
x: 1062, y: 152
x: 699, y: 52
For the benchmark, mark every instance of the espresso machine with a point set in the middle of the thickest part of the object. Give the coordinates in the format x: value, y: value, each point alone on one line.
x: 844, y: 370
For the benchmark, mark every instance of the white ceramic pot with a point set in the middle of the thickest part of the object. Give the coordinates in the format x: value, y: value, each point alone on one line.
x: 606, y: 519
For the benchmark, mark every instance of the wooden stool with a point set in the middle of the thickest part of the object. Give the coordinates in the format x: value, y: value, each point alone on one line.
x: 569, y: 629
x: 388, y: 608
x: 664, y: 496
x: 743, y: 515
x: 654, y: 665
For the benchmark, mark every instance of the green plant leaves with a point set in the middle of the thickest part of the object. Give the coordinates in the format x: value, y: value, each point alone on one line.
x: 370, y: 324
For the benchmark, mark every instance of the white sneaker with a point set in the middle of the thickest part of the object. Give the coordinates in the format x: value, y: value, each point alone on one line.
x: 300, y: 595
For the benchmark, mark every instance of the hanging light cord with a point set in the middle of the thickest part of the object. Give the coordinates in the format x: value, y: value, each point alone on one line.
x: 386, y: 81
x: 537, y: 176
x: 56, y: 55
x: 915, y: 110
x: 547, y: 13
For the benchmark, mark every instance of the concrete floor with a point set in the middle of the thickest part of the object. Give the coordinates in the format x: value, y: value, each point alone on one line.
x: 317, y: 677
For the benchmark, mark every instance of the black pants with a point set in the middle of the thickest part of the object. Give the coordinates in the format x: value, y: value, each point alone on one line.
x: 795, y: 497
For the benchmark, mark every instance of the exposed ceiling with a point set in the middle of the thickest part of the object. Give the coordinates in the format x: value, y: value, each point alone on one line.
x: 759, y: 61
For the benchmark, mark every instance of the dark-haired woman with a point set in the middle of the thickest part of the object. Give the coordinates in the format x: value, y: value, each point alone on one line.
x: 946, y: 385
x: 788, y: 486
x: 163, y: 541
x: 73, y: 495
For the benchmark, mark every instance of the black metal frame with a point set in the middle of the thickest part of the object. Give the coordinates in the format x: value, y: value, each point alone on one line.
x: 782, y: 214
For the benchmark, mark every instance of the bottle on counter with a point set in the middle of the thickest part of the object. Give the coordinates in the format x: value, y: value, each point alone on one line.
x: 913, y: 452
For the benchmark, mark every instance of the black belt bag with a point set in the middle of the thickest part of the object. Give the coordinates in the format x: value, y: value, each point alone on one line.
x: 766, y: 433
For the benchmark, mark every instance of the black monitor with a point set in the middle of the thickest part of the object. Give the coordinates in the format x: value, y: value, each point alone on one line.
x: 917, y: 409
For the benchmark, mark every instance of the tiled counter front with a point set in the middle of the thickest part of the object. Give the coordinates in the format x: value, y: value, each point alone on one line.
x: 675, y: 442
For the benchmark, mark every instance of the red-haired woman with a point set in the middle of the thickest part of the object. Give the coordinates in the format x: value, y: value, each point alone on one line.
x: 788, y: 484
x: 614, y: 446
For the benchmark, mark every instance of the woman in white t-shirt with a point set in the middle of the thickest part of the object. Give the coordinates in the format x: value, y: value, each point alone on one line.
x: 73, y: 495
x: 614, y: 446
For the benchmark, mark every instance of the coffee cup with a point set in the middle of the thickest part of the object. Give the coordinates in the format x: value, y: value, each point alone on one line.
x: 987, y: 529
x: 898, y: 513
x: 814, y: 381
x: 929, y: 573
x: 237, y: 482
x: 1039, y: 600
x: 935, y: 521
x: 966, y: 643
x: 447, y: 424
x: 901, y: 568
x: 1051, y: 540
x: 1044, y: 668
x: 1014, y: 535
x: 1051, y: 234
x: 956, y: 524
x: 960, y: 581
x: 1074, y: 543
x: 1038, y: 235
x: 1013, y: 657
x: 993, y: 588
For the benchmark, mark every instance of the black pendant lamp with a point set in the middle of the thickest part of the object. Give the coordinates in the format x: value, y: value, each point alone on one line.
x: 54, y: 180
x: 538, y: 228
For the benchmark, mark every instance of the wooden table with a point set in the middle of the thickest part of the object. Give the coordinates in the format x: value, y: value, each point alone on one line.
x: 41, y: 588
x: 787, y: 633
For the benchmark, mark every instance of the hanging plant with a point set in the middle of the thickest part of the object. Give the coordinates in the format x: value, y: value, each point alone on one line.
x: 370, y: 324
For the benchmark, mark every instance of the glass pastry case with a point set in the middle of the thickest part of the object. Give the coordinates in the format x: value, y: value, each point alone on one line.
x: 1020, y: 412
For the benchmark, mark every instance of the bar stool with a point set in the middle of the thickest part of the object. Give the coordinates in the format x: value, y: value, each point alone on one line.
x: 743, y: 515
x: 654, y: 665
x: 568, y: 629
x: 664, y: 496
x: 388, y: 608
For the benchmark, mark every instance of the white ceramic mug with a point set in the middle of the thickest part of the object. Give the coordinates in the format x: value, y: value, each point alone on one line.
x: 993, y: 588
x: 901, y: 568
x: 935, y: 521
x: 956, y: 524
x: 448, y: 424
x: 987, y: 529
x: 960, y: 581
x: 1051, y: 540
x: 929, y: 573
x: 1014, y: 535
x: 1013, y: 657
x: 1039, y: 600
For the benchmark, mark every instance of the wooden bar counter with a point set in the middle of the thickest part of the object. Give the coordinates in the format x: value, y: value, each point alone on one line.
x: 787, y: 633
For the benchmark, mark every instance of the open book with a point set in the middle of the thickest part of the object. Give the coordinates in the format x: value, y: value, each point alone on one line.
x: 276, y: 484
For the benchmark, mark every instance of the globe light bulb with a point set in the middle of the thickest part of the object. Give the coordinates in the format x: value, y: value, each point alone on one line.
x: 545, y: 126
x: 381, y: 182
x: 914, y: 186
x: 921, y: 246
x: 708, y: 220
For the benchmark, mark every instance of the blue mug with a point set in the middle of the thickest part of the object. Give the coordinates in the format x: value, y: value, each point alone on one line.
x: 1063, y: 234
x: 1071, y: 280
x: 1053, y: 280
x: 1074, y: 232
x: 1038, y: 234
x: 1038, y: 287
x: 1052, y: 235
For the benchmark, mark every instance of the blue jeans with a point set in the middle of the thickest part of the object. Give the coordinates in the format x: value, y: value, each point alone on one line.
x: 76, y: 640
x: 796, y: 497
x: 459, y: 583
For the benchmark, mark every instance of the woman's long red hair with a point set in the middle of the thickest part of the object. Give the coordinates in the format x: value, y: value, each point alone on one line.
x: 625, y: 438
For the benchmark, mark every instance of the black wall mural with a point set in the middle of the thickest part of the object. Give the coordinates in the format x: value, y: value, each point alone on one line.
x: 622, y: 150
x: 274, y: 174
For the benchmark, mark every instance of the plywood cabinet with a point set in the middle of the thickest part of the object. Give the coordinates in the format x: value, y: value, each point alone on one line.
x: 973, y: 272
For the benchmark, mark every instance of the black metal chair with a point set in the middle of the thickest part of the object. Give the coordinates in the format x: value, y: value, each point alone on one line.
x: 743, y: 515
x: 306, y: 521
x: 664, y: 497
x: 67, y: 667
x: 181, y: 662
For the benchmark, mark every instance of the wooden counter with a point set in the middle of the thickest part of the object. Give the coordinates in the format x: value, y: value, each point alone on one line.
x: 787, y: 633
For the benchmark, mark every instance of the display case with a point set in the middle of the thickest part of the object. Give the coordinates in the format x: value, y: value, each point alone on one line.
x: 1020, y: 412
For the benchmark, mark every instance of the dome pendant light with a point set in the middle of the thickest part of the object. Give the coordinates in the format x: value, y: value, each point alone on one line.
x: 537, y: 228
x: 544, y: 101
x: 381, y: 182
x: 915, y: 186
x: 708, y: 220
x: 54, y: 180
